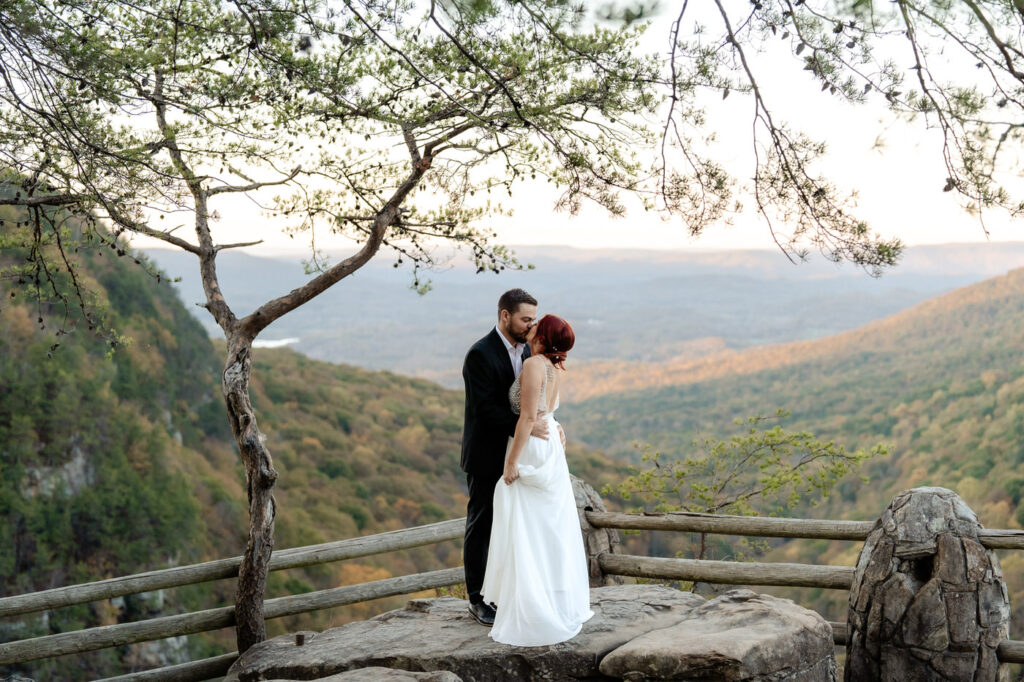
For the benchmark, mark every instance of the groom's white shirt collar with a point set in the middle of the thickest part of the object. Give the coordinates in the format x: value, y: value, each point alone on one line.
x: 515, y: 352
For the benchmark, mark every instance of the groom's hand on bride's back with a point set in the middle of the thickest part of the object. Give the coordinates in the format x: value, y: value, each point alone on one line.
x: 540, y: 427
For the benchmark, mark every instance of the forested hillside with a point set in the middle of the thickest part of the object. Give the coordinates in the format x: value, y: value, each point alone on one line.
x: 115, y: 460
x: 96, y: 442
x: 942, y: 383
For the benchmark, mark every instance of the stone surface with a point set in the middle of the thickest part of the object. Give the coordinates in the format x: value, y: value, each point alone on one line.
x: 963, y: 622
x: 950, y: 558
x: 955, y: 666
x: 925, y: 622
x: 977, y: 560
x: 378, y: 674
x: 896, y: 594
x: 595, y: 540
x: 928, y: 601
x: 739, y: 635
x: 439, y: 635
x: 70, y: 478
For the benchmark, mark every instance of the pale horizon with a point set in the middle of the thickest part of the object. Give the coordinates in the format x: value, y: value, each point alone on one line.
x: 894, y: 166
x: 294, y: 248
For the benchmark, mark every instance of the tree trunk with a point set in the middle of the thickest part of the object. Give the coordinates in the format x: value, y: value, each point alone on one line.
x: 259, y: 476
x: 259, y: 465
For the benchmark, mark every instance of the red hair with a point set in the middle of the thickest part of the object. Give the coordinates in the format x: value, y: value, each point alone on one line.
x: 555, y: 337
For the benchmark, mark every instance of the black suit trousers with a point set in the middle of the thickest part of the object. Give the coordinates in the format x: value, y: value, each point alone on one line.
x: 479, y: 514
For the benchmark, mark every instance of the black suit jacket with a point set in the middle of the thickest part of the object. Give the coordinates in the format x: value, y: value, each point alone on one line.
x: 488, y: 374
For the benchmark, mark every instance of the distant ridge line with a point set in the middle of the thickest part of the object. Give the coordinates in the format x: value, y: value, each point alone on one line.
x: 595, y: 379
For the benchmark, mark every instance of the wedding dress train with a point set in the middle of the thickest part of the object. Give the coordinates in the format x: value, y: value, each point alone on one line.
x: 536, y: 567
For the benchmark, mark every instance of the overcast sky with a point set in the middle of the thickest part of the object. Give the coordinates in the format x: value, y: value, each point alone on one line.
x: 895, y: 167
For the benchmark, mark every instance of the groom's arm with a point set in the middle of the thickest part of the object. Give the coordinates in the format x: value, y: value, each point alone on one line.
x: 483, y: 390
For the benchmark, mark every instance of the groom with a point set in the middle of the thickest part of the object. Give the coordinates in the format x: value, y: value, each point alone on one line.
x: 490, y: 368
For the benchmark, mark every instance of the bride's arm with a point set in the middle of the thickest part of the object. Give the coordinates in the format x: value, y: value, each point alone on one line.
x: 530, y: 382
x: 558, y: 391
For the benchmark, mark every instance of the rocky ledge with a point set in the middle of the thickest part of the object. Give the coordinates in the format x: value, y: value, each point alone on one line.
x: 638, y: 632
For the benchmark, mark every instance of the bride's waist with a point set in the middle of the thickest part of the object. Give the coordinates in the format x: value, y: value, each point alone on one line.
x: 546, y: 415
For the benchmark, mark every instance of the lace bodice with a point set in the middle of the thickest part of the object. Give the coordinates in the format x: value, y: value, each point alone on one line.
x: 515, y: 392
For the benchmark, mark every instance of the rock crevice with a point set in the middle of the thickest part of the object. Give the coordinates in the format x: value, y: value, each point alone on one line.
x: 928, y: 600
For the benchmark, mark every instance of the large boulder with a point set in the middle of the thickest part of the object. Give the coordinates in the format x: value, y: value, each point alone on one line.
x: 928, y: 601
x: 740, y: 635
x: 440, y: 635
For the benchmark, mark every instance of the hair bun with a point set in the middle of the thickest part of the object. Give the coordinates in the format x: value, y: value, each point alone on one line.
x: 555, y: 337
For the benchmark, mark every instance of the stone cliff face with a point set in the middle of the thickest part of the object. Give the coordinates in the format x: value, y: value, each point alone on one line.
x: 638, y: 632
x: 71, y: 477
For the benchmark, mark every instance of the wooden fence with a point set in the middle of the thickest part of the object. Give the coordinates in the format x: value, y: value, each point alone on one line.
x: 718, y: 572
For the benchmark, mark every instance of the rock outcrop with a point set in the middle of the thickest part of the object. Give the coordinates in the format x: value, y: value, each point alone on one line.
x: 740, y: 635
x: 378, y: 674
x: 781, y: 641
x: 928, y: 601
x: 69, y: 478
x: 595, y: 540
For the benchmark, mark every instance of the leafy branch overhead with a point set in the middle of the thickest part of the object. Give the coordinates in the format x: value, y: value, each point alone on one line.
x: 391, y: 123
x: 956, y: 67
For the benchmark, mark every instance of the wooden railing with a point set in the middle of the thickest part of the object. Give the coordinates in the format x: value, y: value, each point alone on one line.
x: 719, y: 572
x: 108, y: 636
x: 751, y: 573
x: 766, y: 574
x: 771, y: 527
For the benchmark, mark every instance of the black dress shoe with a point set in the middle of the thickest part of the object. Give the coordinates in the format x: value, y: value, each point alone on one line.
x: 483, y: 613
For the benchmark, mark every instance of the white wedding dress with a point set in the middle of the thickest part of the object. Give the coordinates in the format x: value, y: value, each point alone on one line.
x: 536, y: 568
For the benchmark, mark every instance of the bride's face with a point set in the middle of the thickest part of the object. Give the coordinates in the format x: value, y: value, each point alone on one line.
x: 531, y: 335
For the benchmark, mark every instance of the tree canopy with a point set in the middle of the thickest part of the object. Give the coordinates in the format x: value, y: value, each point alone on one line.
x: 339, y: 103
x: 387, y: 122
x: 957, y: 67
x: 135, y: 113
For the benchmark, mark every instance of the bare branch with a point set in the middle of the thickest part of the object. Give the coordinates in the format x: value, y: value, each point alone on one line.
x: 222, y: 247
x: 215, y: 301
x: 252, y: 187
x: 45, y: 200
x: 259, y: 319
x: 141, y: 228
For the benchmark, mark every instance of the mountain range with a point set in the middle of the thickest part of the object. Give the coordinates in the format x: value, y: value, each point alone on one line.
x: 119, y: 462
x: 941, y: 383
x: 636, y: 306
x: 926, y: 359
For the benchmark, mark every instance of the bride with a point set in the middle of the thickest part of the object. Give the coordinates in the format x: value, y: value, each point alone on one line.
x: 536, y: 571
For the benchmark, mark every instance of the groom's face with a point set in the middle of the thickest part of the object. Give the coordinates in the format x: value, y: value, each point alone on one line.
x: 518, y: 323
